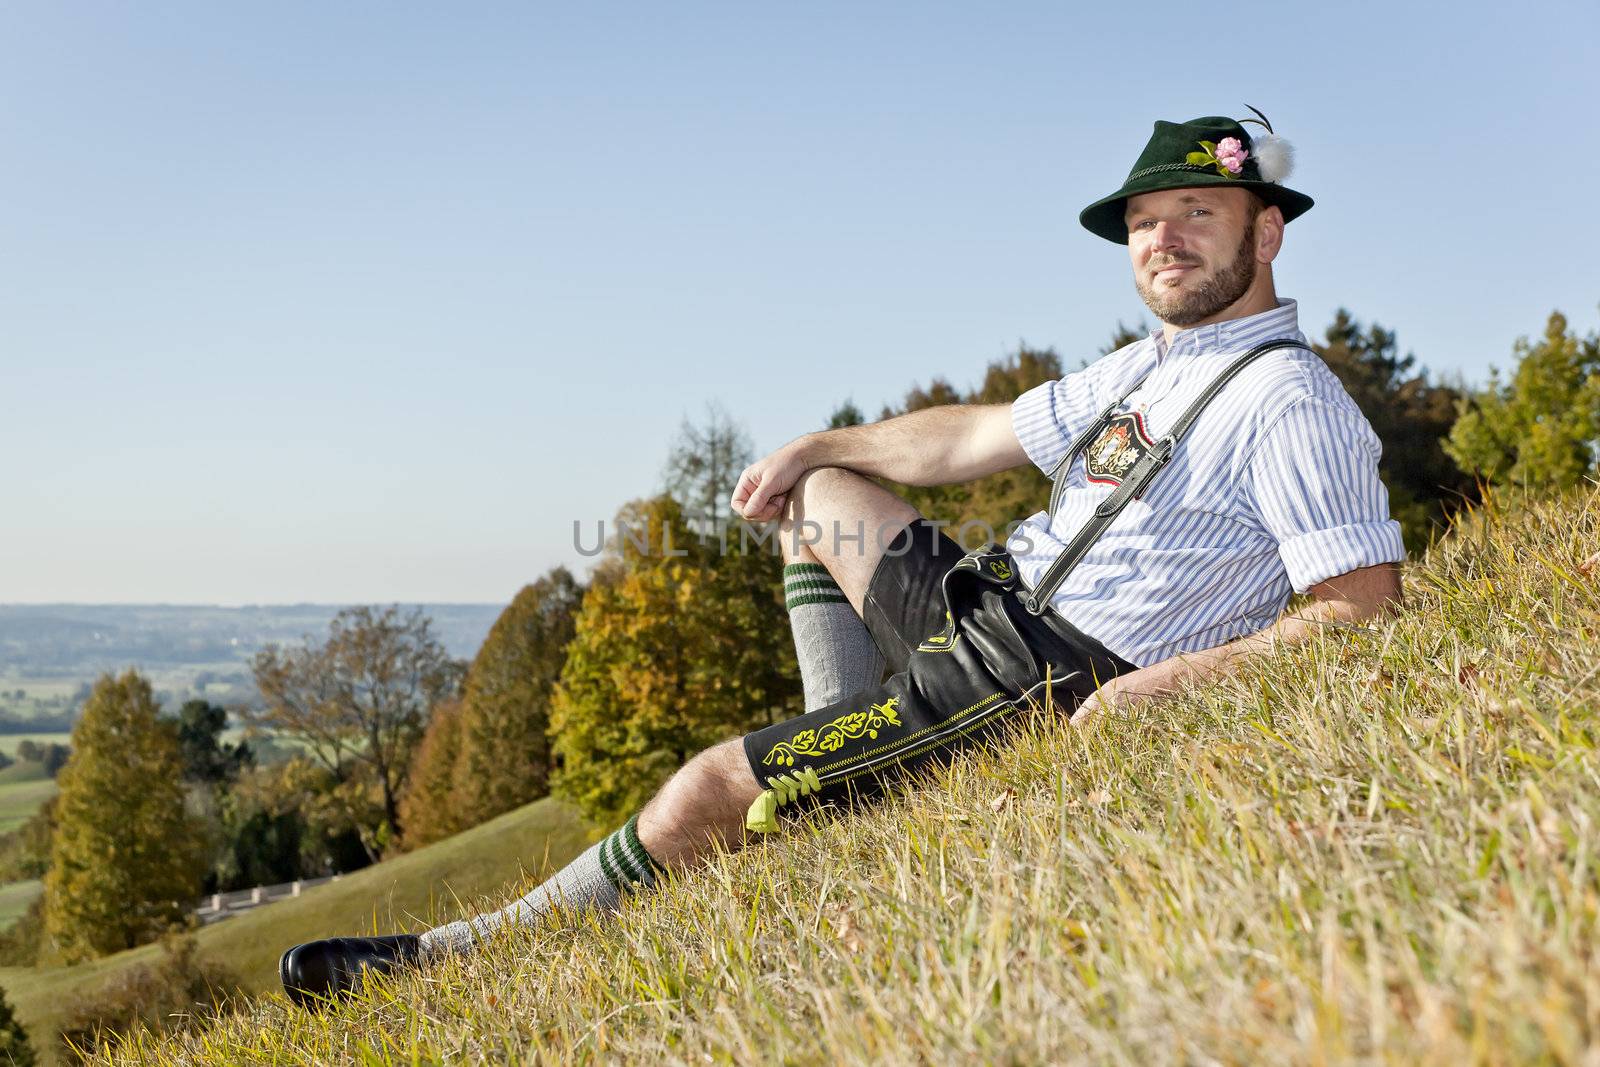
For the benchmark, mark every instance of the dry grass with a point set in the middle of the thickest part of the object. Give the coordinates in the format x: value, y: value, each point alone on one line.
x: 1380, y: 847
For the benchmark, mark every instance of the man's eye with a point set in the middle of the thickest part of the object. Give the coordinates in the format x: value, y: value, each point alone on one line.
x: 1199, y: 211
x: 1144, y: 224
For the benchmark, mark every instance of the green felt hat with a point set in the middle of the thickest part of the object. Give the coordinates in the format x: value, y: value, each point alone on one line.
x: 1187, y: 155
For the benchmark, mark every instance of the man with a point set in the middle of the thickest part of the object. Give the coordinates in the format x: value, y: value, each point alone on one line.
x: 1273, y: 488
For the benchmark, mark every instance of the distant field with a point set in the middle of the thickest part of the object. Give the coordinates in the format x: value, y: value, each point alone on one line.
x: 19, y: 800
x: 15, y: 898
x: 493, y: 860
x: 9, y: 742
x: 35, y: 688
x: 223, y: 683
x: 24, y: 771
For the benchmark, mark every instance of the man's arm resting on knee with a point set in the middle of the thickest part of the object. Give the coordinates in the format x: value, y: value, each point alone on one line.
x: 935, y: 446
x: 1341, y: 601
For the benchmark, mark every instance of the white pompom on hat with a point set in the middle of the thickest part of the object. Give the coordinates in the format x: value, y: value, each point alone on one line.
x: 1274, y: 154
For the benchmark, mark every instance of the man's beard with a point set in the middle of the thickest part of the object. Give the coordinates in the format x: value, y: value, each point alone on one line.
x: 1185, y: 307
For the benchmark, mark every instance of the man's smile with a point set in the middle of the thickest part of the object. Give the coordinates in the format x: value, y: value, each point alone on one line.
x: 1174, y: 270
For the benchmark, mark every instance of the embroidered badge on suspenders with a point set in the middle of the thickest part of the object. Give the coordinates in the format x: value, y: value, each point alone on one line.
x: 1120, y: 445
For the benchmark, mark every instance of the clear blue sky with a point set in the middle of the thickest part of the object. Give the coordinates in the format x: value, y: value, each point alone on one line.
x: 367, y: 302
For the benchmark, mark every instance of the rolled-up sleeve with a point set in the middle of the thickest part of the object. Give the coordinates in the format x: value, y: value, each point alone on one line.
x: 1313, y: 480
x: 1046, y: 417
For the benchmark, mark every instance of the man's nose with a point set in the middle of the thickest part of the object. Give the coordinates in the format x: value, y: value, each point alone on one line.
x: 1165, y: 238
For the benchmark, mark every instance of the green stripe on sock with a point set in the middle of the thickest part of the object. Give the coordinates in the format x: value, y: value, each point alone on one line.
x: 608, y: 867
x: 811, y: 590
x: 620, y: 860
x: 625, y: 862
x: 634, y: 849
x: 810, y: 581
x: 815, y: 598
x: 806, y: 588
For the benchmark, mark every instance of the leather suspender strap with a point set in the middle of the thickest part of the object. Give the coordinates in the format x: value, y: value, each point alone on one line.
x: 1137, y: 480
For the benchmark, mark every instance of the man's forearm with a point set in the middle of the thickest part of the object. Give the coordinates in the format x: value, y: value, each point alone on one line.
x: 1367, y: 593
x: 935, y: 446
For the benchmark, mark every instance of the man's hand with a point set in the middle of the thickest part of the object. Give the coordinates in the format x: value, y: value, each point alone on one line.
x: 764, y: 486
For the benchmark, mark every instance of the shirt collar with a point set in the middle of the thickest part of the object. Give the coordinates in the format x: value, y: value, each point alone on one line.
x: 1231, y: 334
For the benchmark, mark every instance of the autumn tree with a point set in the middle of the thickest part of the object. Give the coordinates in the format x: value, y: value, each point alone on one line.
x: 1410, y: 415
x: 431, y: 807
x: 677, y: 646
x: 505, y: 722
x: 358, y: 702
x: 1541, y: 427
x: 126, y: 859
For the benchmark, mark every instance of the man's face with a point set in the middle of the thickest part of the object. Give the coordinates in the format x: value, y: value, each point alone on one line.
x: 1193, y: 250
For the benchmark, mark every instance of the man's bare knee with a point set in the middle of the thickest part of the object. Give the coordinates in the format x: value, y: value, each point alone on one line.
x: 813, y: 498
x: 843, y: 521
x: 700, y: 806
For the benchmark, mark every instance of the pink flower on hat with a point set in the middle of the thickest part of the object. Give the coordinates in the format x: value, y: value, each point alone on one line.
x: 1231, y: 154
x: 1227, y: 156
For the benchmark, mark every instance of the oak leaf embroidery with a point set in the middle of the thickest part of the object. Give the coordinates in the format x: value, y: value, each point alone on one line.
x: 831, y: 738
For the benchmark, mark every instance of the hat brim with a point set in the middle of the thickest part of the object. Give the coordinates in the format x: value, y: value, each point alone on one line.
x: 1104, y: 217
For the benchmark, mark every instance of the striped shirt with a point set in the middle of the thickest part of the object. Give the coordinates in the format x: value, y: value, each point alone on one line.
x: 1275, y: 488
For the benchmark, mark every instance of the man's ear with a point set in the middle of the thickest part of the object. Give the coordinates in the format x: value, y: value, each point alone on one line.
x: 1269, y: 234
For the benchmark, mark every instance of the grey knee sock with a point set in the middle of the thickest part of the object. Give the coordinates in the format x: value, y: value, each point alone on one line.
x: 596, y: 879
x: 837, y: 653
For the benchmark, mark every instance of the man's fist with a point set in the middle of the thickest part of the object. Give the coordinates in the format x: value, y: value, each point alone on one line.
x: 764, y: 486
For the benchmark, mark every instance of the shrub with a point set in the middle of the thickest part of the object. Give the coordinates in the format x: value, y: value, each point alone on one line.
x: 177, y: 992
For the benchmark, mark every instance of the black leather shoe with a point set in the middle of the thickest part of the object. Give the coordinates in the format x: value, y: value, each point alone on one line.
x: 317, y: 971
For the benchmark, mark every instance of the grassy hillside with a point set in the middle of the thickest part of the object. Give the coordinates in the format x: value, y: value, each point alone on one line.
x: 495, y: 858
x: 1379, y: 847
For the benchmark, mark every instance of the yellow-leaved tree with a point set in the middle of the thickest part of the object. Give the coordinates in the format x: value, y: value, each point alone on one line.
x: 126, y: 861
x: 678, y: 645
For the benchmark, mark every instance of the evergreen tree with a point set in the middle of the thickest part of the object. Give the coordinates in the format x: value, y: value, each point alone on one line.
x: 1410, y: 415
x: 126, y: 859
x: 206, y: 758
x: 1541, y: 428
x: 677, y: 646
x: 505, y: 723
x: 847, y: 414
x: 1124, y: 335
x: 987, y: 506
x: 15, y: 1051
